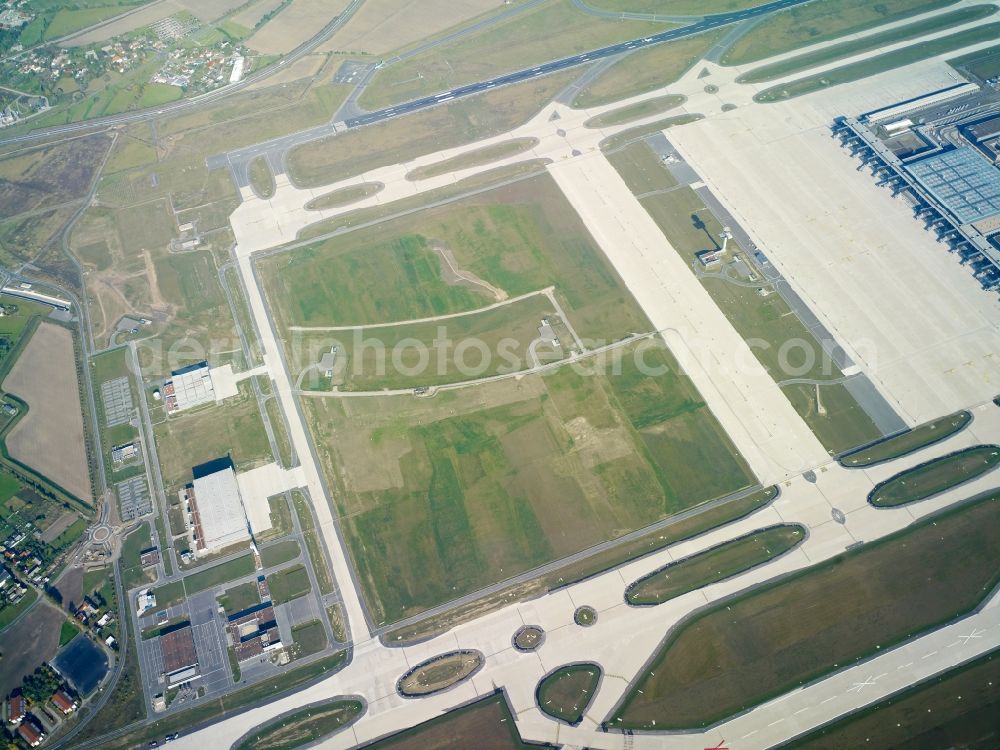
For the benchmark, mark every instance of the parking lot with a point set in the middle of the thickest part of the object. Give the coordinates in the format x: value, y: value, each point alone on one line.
x: 116, y: 395
x: 133, y: 498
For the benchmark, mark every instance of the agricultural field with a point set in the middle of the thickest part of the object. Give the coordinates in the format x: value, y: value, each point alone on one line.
x: 446, y: 495
x: 880, y: 63
x: 517, y: 239
x: 553, y: 29
x: 566, y: 693
x: 675, y: 7
x: 190, y: 439
x: 954, y: 709
x: 715, y: 564
x: 294, y: 23
x: 817, y: 22
x: 783, y: 344
x: 486, y: 724
x: 50, y: 438
x: 399, y: 140
x: 747, y: 650
x: 647, y: 69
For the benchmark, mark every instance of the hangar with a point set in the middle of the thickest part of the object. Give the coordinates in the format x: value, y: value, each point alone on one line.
x: 213, y: 507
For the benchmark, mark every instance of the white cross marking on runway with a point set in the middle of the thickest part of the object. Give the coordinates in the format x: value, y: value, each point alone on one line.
x: 976, y: 633
x: 859, y: 686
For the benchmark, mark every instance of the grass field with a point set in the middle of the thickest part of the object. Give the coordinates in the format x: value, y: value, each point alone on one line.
x: 434, y: 353
x: 519, y: 238
x: 909, y: 441
x: 646, y: 108
x: 675, y: 7
x: 280, y: 553
x: 866, y: 44
x: 240, y: 597
x: 954, y: 709
x: 313, y: 544
x: 191, y: 439
x: 820, y: 21
x: 402, y: 139
x: 475, y: 158
x: 288, y: 584
x: 566, y: 693
x: 304, y: 727
x: 261, y: 179
x: 131, y: 570
x: 744, y: 651
x: 935, y: 476
x: 553, y: 29
x: 218, y: 574
x: 647, y: 69
x: 716, y: 564
x: 984, y: 63
x: 486, y: 724
x: 879, y: 64
x: 616, y: 141
x: 439, y: 673
x: 443, y: 496
x: 345, y: 196
x: 779, y: 340
x: 308, y: 638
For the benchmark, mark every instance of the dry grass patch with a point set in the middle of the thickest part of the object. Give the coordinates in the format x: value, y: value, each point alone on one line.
x: 294, y: 25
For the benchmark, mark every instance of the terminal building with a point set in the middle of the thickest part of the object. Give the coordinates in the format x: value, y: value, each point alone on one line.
x: 213, y: 508
x: 188, y: 387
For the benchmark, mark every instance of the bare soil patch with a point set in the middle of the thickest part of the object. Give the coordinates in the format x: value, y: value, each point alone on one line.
x: 30, y: 641
x: 50, y: 437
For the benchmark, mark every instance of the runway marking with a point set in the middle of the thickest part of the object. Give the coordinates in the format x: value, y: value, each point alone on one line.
x: 749, y: 734
x: 928, y: 656
x: 859, y: 686
x: 904, y: 666
x: 774, y: 723
x: 800, y: 711
x: 827, y: 700
x: 976, y: 633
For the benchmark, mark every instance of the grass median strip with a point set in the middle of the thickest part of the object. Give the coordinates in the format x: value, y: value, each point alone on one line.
x: 301, y: 728
x: 934, y: 477
x: 746, y: 650
x: 879, y: 64
x: 565, y: 695
x: 714, y: 564
x: 908, y: 442
x: 866, y: 44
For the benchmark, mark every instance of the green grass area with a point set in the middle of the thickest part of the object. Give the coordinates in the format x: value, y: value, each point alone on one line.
x: 192, y: 438
x: 314, y: 545
x: 566, y: 693
x: 288, y: 584
x: 444, y: 496
x: 647, y: 69
x: 935, y: 476
x: 158, y: 94
x: 308, y: 638
x: 11, y: 612
x: 625, y: 137
x: 475, y: 345
x: 128, y: 564
x: 219, y: 574
x: 585, y: 616
x: 74, y: 18
x: 819, y: 21
x: 879, y: 63
x: 744, y: 651
x: 345, y: 196
x: 168, y: 594
x: 984, y: 63
x: 304, y: 727
x: 261, y: 179
x: 67, y: 632
x: 955, y: 709
x: 675, y: 7
x: 281, y: 519
x: 778, y: 338
x: 241, y: 315
x: 206, y: 711
x: 553, y: 29
x: 486, y: 724
x: 279, y: 553
x: 519, y: 238
x: 399, y: 140
x: 714, y: 564
x: 273, y: 408
x: 475, y: 158
x: 868, y: 43
x: 908, y: 442
x: 241, y: 597
x: 646, y: 108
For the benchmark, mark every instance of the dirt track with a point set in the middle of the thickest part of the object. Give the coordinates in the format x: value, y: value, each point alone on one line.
x: 49, y: 438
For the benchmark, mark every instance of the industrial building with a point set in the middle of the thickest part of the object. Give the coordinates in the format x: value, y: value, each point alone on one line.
x: 938, y: 152
x: 180, y: 660
x: 213, y: 508
x: 188, y: 387
x: 253, y: 631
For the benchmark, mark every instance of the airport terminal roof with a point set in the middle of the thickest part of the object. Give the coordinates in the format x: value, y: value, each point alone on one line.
x: 962, y: 180
x: 217, y: 497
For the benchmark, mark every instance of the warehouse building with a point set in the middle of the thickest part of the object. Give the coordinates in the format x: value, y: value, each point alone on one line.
x: 180, y: 660
x: 213, y: 508
x: 188, y: 387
